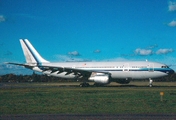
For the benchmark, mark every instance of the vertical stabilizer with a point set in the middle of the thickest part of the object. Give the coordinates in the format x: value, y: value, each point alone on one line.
x: 30, y: 53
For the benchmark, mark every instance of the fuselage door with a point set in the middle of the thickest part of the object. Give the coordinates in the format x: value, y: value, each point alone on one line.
x: 151, y: 67
x: 126, y: 67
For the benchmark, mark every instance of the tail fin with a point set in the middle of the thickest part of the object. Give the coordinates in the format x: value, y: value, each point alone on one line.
x: 31, y: 54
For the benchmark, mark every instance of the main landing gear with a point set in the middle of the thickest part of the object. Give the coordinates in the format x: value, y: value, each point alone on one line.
x: 84, y: 84
x: 98, y: 84
x: 150, y: 82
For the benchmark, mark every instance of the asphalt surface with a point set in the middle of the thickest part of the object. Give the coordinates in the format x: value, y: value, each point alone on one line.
x: 90, y: 117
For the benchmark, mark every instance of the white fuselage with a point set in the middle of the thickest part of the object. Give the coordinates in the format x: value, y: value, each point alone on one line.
x: 117, y: 70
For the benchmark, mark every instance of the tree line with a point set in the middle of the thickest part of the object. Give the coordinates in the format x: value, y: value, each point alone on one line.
x: 44, y: 78
x: 29, y: 78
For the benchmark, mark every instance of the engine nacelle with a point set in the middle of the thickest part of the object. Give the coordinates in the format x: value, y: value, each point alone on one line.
x: 100, y: 78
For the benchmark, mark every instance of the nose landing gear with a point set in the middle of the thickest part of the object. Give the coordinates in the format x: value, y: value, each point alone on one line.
x: 150, y: 82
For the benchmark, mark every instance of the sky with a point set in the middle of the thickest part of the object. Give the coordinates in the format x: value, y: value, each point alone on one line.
x: 88, y: 30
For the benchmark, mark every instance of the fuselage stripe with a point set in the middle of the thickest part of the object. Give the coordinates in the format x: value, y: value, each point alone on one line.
x: 35, y: 57
x: 134, y: 70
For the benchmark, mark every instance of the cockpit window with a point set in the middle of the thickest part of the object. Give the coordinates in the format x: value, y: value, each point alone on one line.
x: 164, y: 67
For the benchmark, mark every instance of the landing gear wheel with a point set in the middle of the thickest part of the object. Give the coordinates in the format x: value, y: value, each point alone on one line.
x: 150, y: 82
x: 97, y: 85
x: 84, y: 84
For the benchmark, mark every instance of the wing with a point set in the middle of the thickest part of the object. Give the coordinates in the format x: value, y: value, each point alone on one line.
x: 69, y: 70
x: 57, y: 69
x: 19, y: 64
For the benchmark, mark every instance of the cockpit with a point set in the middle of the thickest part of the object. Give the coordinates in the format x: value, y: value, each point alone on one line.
x: 164, y: 66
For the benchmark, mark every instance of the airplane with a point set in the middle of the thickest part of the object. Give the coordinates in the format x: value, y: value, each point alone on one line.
x: 102, y: 73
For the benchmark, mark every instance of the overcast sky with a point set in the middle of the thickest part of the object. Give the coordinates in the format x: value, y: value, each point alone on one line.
x: 93, y: 30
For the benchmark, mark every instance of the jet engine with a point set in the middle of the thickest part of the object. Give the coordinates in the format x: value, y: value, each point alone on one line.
x: 100, y: 78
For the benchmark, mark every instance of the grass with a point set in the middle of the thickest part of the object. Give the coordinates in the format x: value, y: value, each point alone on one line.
x: 53, y: 100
